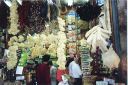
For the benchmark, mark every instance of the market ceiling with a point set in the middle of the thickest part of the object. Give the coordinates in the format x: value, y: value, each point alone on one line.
x: 63, y: 2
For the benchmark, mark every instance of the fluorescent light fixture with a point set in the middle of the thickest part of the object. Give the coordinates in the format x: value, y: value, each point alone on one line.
x: 50, y: 1
x: 20, y: 2
x: 8, y: 2
x: 70, y: 2
x: 86, y: 0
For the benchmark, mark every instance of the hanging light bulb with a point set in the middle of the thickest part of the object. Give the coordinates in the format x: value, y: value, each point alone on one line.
x: 20, y: 2
x: 8, y: 2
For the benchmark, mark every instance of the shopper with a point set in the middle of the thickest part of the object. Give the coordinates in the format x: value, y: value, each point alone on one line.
x: 75, y: 72
x: 43, y: 72
x: 53, y: 71
x: 68, y: 61
x: 60, y: 73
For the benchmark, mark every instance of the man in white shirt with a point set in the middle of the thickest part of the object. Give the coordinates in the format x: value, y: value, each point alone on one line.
x: 75, y: 72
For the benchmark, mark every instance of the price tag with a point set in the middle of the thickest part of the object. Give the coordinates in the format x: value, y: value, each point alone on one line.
x: 19, y: 70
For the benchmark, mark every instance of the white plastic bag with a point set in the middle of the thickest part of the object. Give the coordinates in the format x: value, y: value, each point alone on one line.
x: 110, y: 58
x: 64, y: 81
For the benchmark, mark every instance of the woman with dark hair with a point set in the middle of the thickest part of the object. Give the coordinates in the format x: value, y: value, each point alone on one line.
x: 43, y: 72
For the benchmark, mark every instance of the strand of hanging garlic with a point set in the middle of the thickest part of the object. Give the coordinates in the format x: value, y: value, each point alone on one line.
x: 13, y: 19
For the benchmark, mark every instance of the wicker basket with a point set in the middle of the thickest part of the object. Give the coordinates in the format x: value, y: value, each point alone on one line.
x: 89, y: 80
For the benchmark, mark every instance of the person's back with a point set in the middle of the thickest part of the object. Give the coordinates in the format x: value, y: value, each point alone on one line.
x: 75, y: 72
x: 43, y: 72
x: 53, y: 70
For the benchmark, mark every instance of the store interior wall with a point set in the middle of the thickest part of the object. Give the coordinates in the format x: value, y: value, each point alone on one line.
x: 122, y: 9
x: 122, y: 12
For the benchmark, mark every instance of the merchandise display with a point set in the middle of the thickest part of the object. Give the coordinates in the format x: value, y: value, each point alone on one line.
x: 61, y: 49
x: 69, y: 30
x: 36, y: 22
x: 13, y: 19
x: 12, y: 57
x: 88, y: 12
x: 114, y: 62
x: 85, y: 58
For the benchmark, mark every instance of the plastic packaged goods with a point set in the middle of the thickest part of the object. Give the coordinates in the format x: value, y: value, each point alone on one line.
x: 110, y: 58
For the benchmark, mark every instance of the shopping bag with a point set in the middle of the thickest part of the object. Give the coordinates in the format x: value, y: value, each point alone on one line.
x: 110, y: 58
x: 64, y: 80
